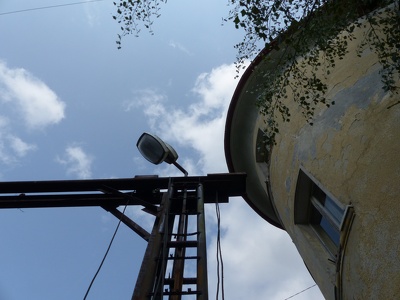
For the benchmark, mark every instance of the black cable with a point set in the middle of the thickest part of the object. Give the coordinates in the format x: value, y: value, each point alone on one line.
x: 164, y: 254
x: 218, y: 279
x: 46, y: 7
x: 105, y: 255
x: 301, y: 291
x: 219, y: 254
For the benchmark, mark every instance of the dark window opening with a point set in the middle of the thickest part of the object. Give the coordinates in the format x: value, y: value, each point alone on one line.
x: 262, y: 147
x: 315, y: 207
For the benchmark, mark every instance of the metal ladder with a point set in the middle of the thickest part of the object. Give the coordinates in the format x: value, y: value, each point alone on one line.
x: 167, y: 270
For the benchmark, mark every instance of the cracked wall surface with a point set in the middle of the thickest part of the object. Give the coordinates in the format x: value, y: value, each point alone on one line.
x: 353, y: 151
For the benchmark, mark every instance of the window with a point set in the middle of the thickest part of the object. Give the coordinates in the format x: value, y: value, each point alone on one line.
x: 315, y: 207
x: 262, y: 148
x: 262, y: 153
x: 325, y: 214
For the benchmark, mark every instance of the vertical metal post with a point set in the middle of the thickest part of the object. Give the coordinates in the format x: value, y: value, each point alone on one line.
x: 151, y: 276
x: 147, y: 274
x: 151, y: 280
x: 166, y: 233
x: 202, y: 281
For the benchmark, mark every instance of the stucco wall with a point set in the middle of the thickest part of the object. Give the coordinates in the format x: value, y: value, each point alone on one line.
x: 353, y: 150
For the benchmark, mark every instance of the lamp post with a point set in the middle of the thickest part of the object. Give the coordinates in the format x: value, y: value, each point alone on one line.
x: 183, y: 200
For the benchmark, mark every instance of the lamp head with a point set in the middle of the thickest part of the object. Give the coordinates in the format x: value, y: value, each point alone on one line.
x: 156, y: 150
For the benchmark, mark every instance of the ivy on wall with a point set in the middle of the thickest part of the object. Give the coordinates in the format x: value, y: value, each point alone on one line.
x: 317, y: 31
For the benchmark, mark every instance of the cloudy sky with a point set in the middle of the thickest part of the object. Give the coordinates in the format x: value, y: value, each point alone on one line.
x: 72, y: 107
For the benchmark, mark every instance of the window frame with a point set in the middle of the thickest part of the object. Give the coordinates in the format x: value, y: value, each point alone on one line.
x: 311, y: 209
x: 262, y: 150
x: 262, y: 153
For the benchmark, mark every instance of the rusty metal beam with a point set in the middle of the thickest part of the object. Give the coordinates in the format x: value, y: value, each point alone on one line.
x: 148, y: 270
x: 202, y: 280
x: 70, y: 193
x: 158, y: 197
x: 130, y: 223
x: 130, y: 197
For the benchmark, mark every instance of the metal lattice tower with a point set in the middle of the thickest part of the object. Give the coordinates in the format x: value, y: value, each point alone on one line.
x: 178, y: 238
x: 172, y: 248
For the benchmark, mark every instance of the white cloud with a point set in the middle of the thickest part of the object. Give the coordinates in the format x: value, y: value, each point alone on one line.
x: 150, y: 100
x: 5, y: 157
x: 12, y: 147
x: 33, y: 100
x: 201, y: 126
x: 20, y: 147
x: 260, y: 261
x: 3, y: 122
x: 23, y: 96
x: 180, y: 47
x: 92, y: 13
x: 78, y: 162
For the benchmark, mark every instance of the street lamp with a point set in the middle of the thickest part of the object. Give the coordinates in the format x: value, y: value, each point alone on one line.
x: 165, y: 198
x: 156, y: 151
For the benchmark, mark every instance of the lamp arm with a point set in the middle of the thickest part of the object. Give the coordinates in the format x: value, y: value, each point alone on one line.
x: 180, y: 168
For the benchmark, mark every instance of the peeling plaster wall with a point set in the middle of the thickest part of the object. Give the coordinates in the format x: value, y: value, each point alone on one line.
x: 353, y: 150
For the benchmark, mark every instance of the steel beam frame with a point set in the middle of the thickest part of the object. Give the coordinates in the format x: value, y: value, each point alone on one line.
x: 157, y: 195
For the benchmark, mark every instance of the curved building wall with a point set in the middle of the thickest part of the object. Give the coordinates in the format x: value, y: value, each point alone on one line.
x: 334, y: 186
x: 352, y: 153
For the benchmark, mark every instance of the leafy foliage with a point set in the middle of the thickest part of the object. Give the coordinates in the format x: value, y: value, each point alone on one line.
x: 311, y: 36
x: 317, y: 31
x: 131, y: 14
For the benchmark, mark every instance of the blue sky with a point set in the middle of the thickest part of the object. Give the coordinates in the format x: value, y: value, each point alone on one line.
x: 72, y: 107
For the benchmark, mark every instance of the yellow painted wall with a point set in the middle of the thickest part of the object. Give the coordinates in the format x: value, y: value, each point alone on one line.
x: 353, y: 150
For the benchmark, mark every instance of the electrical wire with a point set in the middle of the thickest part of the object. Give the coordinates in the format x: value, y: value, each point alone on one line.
x: 105, y: 255
x: 47, y: 7
x: 220, y: 274
x: 300, y: 292
x: 159, y: 292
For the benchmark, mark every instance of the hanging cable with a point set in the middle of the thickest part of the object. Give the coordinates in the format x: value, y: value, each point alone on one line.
x: 158, y: 288
x: 220, y: 274
x: 47, y: 7
x: 165, y: 231
x: 300, y: 292
x: 105, y: 255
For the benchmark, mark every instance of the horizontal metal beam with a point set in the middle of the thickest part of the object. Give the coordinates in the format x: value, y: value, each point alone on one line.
x: 65, y: 200
x: 140, y: 190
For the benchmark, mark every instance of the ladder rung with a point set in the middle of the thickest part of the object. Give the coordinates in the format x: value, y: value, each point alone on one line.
x: 187, y: 280
x: 186, y: 213
x: 178, y: 199
x: 183, y: 257
x: 177, y: 244
x: 176, y: 293
x: 185, y: 234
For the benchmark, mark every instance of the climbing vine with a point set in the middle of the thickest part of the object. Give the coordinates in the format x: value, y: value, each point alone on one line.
x: 310, y: 42
x: 311, y: 36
